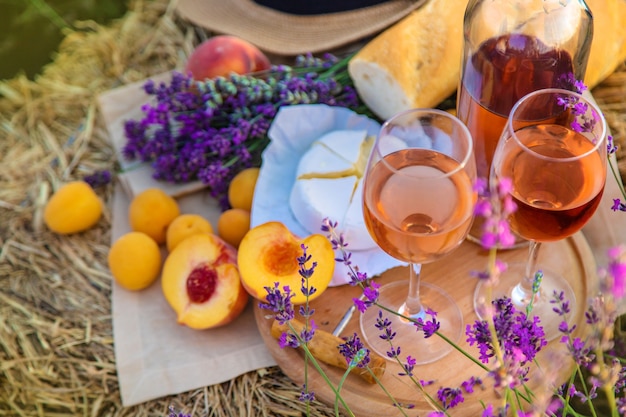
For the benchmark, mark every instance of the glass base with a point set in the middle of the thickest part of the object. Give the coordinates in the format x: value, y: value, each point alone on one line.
x: 542, y: 307
x: 411, y: 342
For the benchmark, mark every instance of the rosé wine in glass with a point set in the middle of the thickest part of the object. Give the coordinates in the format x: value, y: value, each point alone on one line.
x: 553, y: 200
x: 402, y: 221
x: 418, y: 203
x: 553, y: 149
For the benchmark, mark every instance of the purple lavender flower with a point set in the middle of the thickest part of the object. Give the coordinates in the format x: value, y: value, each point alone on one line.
x: 611, y: 147
x: 98, y: 178
x: 450, y: 397
x: 618, y: 205
x: 408, y: 366
x: 370, y: 288
x: 287, y: 339
x: 578, y: 350
x: 617, y: 271
x: 428, y: 326
x: 384, y: 325
x: 568, y: 81
x: 193, y: 125
x: 279, y: 302
x: 495, y: 205
x: 371, y: 293
x: 355, y: 352
x: 591, y: 394
x: 582, y: 121
x: 306, y: 273
x: 488, y: 411
x: 561, y: 305
x: 520, y: 337
x: 469, y: 385
x: 307, y: 333
x: 306, y: 395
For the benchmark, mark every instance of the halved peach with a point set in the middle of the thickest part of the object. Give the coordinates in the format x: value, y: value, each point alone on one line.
x: 268, y: 254
x: 201, y: 282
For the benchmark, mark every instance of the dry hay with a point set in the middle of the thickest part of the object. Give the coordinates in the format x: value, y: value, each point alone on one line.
x: 56, y: 343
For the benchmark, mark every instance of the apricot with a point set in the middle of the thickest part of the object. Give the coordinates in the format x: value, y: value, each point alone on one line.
x: 135, y: 261
x: 232, y: 225
x: 73, y: 208
x: 184, y: 226
x: 224, y: 54
x: 151, y: 212
x: 268, y: 254
x: 241, y: 188
x: 201, y: 282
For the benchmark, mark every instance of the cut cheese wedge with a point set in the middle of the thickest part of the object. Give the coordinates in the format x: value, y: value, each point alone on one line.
x: 328, y: 185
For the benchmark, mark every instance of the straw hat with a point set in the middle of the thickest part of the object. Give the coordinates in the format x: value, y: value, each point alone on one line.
x: 292, y: 27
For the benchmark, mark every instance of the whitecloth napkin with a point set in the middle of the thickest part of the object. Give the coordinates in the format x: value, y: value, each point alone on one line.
x: 155, y: 356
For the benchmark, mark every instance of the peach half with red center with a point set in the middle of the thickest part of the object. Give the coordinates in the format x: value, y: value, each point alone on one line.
x: 268, y: 254
x: 201, y: 282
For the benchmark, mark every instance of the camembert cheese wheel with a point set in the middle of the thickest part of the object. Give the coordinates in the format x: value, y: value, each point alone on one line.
x: 329, y: 185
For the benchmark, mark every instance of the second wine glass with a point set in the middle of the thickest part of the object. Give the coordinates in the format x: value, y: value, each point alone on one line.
x: 553, y: 149
x: 418, y: 202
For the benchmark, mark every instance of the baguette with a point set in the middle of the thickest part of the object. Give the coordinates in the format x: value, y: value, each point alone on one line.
x: 417, y: 61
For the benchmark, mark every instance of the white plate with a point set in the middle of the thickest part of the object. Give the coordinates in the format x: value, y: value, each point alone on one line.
x: 292, y: 132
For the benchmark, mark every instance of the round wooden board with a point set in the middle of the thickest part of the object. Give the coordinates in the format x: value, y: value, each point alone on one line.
x: 571, y: 257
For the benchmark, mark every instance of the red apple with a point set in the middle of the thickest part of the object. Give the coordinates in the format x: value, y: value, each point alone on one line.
x: 224, y: 54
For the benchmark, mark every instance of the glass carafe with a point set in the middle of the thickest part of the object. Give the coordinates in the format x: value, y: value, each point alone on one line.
x: 511, y: 48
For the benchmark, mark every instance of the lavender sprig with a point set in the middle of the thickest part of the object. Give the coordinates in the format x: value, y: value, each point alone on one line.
x: 279, y: 302
x: 210, y: 130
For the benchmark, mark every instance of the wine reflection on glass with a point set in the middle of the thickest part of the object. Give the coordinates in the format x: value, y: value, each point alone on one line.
x: 553, y: 149
x: 418, y: 202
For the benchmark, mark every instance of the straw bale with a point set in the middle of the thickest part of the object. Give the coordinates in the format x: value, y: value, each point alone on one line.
x: 56, y: 341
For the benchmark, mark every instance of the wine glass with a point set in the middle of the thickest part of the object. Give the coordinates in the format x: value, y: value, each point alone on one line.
x: 418, y: 202
x: 553, y: 149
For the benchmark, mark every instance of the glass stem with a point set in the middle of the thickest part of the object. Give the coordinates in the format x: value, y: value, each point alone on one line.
x: 412, y: 306
x: 524, y: 290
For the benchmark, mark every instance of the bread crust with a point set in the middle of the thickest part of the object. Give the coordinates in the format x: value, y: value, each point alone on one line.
x: 419, y: 58
x: 608, y: 48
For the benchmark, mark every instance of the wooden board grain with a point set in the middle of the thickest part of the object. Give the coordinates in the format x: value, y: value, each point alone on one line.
x: 571, y: 257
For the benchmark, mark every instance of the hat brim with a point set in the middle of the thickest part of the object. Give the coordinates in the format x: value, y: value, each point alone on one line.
x: 288, y: 34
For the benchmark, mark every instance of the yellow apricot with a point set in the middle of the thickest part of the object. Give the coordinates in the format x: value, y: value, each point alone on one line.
x: 72, y: 208
x: 151, y: 212
x: 232, y: 225
x: 135, y: 261
x: 241, y: 188
x: 269, y: 253
x: 184, y: 226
